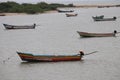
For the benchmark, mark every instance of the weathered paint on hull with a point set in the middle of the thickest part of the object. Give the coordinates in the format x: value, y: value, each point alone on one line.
x: 53, y: 58
x: 105, y: 19
x: 85, y: 34
x: 19, y: 27
x: 71, y: 15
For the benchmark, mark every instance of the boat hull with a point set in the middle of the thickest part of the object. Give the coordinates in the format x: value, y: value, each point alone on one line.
x: 71, y: 15
x: 98, y: 17
x: 105, y: 19
x: 19, y: 27
x: 64, y: 11
x: 48, y: 58
x: 85, y: 34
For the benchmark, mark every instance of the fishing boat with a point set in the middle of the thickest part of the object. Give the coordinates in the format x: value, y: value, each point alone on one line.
x: 64, y: 11
x: 49, y: 58
x: 105, y: 19
x: 7, y: 26
x: 86, y: 34
x: 71, y: 14
x: 98, y: 17
x: 2, y: 14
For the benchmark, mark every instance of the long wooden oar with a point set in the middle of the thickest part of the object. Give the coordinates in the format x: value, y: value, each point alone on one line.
x: 90, y: 53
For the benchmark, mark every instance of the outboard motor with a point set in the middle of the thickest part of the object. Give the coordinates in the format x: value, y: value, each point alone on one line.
x: 115, y: 32
x: 114, y: 18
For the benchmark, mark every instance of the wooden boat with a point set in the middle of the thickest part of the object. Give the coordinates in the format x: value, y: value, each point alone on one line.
x: 49, y: 58
x: 71, y: 14
x: 86, y: 34
x: 105, y: 19
x: 98, y: 17
x: 64, y: 11
x: 7, y: 26
x: 2, y: 14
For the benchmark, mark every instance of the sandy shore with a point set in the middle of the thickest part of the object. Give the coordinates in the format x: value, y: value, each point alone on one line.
x: 90, y: 6
x: 13, y: 14
x: 54, y: 11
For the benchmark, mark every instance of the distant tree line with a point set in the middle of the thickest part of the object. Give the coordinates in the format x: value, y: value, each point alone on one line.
x: 41, y: 7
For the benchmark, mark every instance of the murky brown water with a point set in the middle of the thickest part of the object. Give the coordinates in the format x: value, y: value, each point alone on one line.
x: 57, y: 35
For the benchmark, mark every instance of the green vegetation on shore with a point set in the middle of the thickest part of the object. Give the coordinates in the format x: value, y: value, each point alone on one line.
x: 13, y: 7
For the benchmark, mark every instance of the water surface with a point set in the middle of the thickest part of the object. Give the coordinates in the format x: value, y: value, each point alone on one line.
x: 57, y: 35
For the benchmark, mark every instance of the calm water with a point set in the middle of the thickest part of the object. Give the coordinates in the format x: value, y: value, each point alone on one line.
x: 57, y: 35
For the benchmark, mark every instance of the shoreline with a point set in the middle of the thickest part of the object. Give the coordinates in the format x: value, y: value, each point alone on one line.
x: 97, y: 5
x: 14, y: 14
x: 55, y: 11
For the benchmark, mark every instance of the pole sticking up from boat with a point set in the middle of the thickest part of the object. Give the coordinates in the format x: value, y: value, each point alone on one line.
x: 90, y: 53
x: 82, y: 53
